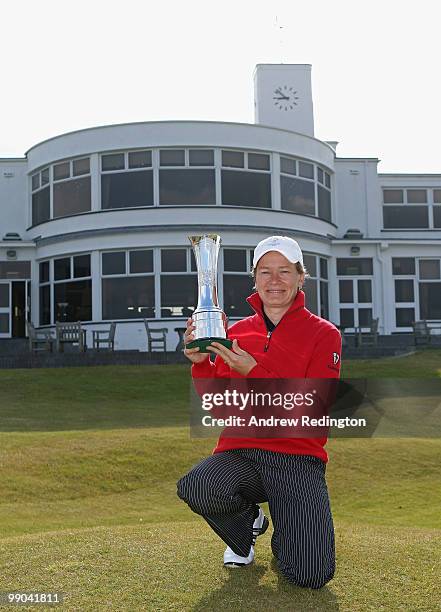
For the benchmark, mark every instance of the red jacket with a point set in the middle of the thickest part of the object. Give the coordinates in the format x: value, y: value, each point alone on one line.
x: 302, y: 345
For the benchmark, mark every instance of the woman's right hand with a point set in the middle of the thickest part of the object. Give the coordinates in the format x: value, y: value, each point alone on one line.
x: 194, y: 355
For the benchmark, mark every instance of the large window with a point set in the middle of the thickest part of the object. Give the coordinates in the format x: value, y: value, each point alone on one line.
x: 237, y: 282
x: 45, y: 293
x: 246, y: 179
x: 305, y: 188
x: 128, y: 284
x: 430, y: 288
x: 126, y: 180
x: 188, y: 184
x: 179, y: 292
x: 316, y: 285
x: 411, y: 208
x: 41, y: 204
x: 72, y: 287
x: 71, y: 190
x: 417, y: 287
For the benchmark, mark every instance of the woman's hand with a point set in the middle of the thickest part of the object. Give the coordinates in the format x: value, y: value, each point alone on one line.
x: 238, y: 359
x: 192, y: 354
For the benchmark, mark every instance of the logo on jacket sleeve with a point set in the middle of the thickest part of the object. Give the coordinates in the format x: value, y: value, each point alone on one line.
x: 335, y: 358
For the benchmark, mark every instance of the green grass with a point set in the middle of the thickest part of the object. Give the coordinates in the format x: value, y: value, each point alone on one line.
x: 89, y: 460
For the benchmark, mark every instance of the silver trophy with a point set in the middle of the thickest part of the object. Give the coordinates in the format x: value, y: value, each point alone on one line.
x: 209, y: 319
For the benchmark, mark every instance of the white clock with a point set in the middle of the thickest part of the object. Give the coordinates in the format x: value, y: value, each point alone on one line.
x: 285, y: 97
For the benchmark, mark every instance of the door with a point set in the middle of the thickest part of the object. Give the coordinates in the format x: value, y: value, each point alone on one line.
x: 18, y: 312
x: 5, y: 310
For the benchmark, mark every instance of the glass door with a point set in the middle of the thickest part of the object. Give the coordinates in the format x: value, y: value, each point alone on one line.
x: 5, y: 310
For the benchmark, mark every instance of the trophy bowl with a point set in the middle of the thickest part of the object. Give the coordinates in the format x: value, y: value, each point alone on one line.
x: 209, y: 319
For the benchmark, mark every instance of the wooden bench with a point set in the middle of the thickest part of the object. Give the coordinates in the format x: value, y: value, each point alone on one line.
x: 70, y: 333
x: 39, y: 339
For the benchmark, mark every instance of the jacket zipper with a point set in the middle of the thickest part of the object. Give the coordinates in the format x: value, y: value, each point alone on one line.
x: 268, y: 338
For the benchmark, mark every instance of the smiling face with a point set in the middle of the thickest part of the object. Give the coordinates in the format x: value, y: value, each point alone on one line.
x: 277, y: 280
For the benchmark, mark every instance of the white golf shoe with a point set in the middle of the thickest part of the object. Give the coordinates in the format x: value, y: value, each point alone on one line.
x: 260, y: 525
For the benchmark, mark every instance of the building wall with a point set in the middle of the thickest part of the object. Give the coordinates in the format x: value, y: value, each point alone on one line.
x: 360, y: 253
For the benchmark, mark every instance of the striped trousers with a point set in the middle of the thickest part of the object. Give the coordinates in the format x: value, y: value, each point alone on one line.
x: 226, y: 487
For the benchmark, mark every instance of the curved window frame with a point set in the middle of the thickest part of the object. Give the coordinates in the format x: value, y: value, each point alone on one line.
x: 270, y: 163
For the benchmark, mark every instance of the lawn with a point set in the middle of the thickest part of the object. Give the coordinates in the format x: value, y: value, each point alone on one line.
x: 90, y: 458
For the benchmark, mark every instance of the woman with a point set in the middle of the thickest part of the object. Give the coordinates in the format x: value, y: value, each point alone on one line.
x: 281, y: 340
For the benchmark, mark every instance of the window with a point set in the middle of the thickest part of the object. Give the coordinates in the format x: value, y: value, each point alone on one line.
x: 179, y: 292
x: 429, y: 269
x: 128, y: 284
x: 324, y: 203
x: 404, y: 290
x: 140, y: 159
x: 235, y: 260
x: 81, y: 166
x: 114, y: 263
x: 62, y: 268
x: 172, y: 157
x: 237, y: 281
x: 72, y: 197
x: 287, y: 165
x: 127, y: 189
x: 306, y: 170
x: 355, y: 294
x: 233, y: 159
x: 430, y: 301
x: 72, y: 296
x: 201, y: 157
x: 417, y: 196
x: 246, y: 189
x: 354, y: 267
x: 297, y: 196
x: 73, y: 301
x: 346, y: 291
x: 112, y: 162
x: 81, y: 266
x: 130, y: 297
x: 416, y: 208
x: 393, y: 196
x: 187, y: 187
x: 237, y: 287
x: 61, y: 171
x: 402, y: 217
x: 141, y: 262
x: 174, y: 260
x: 41, y: 206
x: 404, y: 317
x: 403, y: 265
x: 257, y: 161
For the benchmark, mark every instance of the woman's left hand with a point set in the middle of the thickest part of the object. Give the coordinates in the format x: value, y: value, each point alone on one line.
x: 238, y: 359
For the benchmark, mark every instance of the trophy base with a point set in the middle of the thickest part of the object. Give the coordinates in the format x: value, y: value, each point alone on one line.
x: 202, y: 343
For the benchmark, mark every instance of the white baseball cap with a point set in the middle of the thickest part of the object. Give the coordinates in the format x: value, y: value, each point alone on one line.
x: 282, y: 244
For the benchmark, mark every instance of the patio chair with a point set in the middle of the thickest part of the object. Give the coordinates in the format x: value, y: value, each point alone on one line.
x: 421, y: 333
x: 367, y: 335
x: 156, y: 337
x: 104, y: 337
x: 39, y: 339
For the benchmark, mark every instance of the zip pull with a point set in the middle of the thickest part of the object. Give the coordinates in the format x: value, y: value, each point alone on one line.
x: 268, y: 338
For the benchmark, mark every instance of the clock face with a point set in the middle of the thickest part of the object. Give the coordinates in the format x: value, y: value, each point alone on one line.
x: 285, y: 97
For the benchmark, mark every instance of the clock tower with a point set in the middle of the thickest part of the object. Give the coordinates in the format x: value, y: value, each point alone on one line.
x: 283, y: 97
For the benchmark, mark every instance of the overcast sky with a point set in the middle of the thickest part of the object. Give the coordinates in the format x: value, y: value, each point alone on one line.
x: 375, y: 68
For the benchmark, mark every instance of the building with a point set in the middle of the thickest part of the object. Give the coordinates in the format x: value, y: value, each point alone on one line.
x: 94, y: 224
